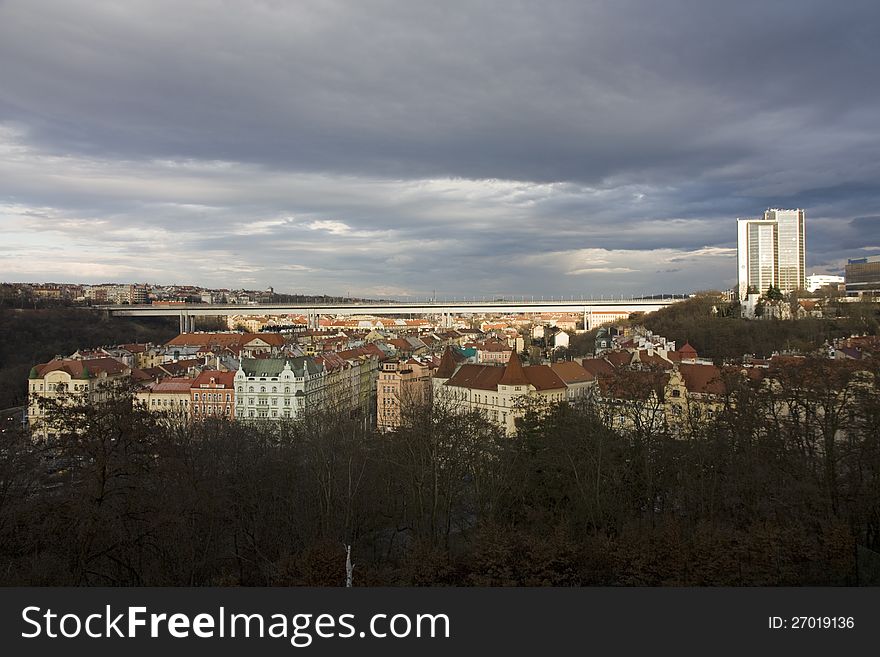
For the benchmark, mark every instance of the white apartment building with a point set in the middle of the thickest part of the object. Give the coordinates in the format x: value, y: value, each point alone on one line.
x: 818, y: 281
x: 287, y: 388
x: 277, y: 388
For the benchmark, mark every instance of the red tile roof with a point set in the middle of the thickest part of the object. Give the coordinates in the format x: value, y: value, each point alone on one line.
x: 571, y: 372
x: 513, y: 372
x: 170, y: 385
x: 619, y: 358
x: 225, y: 340
x: 221, y: 379
x: 653, y: 360
x: 135, y: 347
x: 702, y: 379
x: 597, y: 366
x: 687, y: 351
x: 494, y: 345
x: 480, y: 377
x: 447, y: 364
x: 542, y: 377
x: 76, y: 368
x: 489, y: 377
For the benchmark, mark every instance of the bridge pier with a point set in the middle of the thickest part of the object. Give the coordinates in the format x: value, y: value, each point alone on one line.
x: 187, y: 323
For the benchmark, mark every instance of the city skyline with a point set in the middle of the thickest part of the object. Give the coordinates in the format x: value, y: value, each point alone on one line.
x: 394, y: 149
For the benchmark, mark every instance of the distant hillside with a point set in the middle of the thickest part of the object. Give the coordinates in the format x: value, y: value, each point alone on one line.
x: 726, y: 335
x: 28, y: 337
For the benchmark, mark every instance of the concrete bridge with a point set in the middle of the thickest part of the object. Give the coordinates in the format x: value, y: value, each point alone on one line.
x: 188, y: 312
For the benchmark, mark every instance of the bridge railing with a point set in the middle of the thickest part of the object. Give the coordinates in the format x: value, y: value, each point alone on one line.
x: 458, y: 301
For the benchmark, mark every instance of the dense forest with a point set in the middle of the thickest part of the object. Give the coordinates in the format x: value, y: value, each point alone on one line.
x: 750, y: 496
x: 29, y: 336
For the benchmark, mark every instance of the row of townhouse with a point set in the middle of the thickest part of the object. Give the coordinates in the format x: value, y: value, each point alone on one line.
x: 644, y: 382
x: 209, y: 394
x: 270, y: 389
x: 656, y: 394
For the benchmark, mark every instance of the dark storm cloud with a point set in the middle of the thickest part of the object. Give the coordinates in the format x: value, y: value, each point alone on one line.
x: 415, y: 145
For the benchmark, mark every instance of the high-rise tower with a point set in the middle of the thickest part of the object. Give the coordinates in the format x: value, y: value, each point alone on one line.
x: 772, y: 251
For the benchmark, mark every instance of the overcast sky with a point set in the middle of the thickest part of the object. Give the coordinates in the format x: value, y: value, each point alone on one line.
x: 399, y: 148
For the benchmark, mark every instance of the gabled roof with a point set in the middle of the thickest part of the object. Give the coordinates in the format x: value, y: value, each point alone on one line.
x: 489, y: 377
x: 619, y: 358
x: 687, y: 351
x: 542, y: 377
x: 480, y: 377
x: 597, y: 366
x: 135, y: 347
x: 181, y: 366
x: 170, y: 385
x: 447, y: 364
x: 513, y: 372
x: 572, y: 372
x: 702, y: 379
x: 850, y: 352
x: 226, y: 379
x: 138, y: 374
x: 493, y: 345
x: 653, y: 360
x: 225, y: 340
x: 81, y: 369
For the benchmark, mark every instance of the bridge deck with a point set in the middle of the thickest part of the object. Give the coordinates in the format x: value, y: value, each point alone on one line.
x: 395, y: 308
